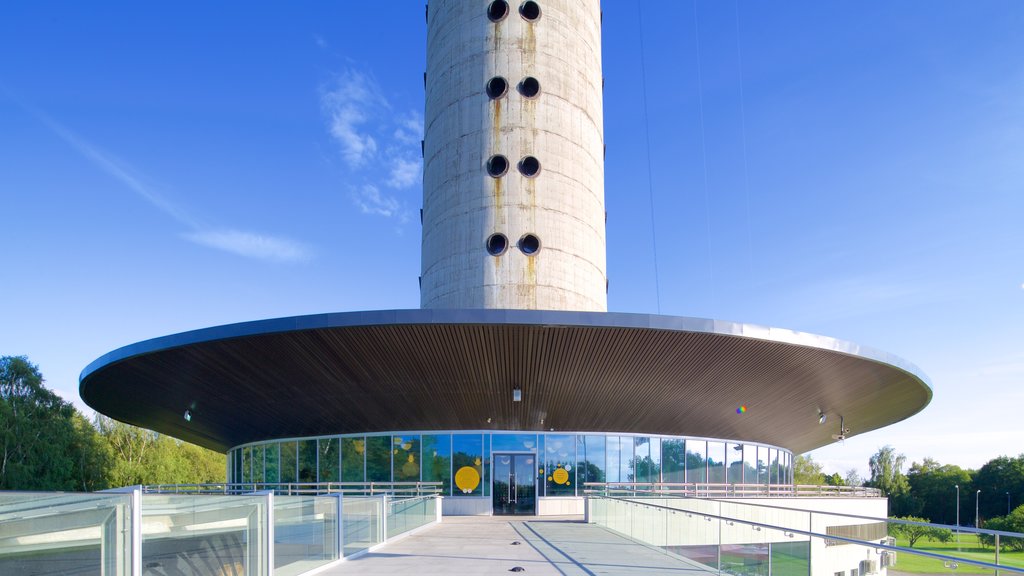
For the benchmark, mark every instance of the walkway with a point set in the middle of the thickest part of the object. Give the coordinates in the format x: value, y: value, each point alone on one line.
x: 562, y: 546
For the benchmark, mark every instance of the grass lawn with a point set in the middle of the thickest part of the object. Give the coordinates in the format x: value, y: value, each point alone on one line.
x: 969, y: 548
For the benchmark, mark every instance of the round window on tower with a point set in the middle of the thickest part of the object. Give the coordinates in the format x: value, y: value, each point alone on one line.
x: 529, y: 87
x: 529, y: 166
x: 497, y: 166
x: 529, y: 10
x: 529, y: 244
x: 497, y: 10
x: 497, y: 244
x: 496, y: 87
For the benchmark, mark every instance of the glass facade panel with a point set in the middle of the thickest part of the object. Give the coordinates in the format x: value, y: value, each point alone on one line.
x: 257, y: 464
x: 773, y: 466
x: 590, y: 451
x: 406, y: 459
x: 247, y: 464
x: 272, y: 462
x: 612, y: 467
x: 762, y: 465
x: 734, y: 463
x: 514, y: 442
x: 716, y: 463
x: 640, y: 463
x: 696, y: 465
x: 749, y: 464
x: 655, y: 468
x: 467, y: 464
x: 559, y: 463
x: 378, y: 458
x: 307, y: 461
x: 626, y: 459
x: 353, y: 452
x: 437, y: 461
x: 328, y: 460
x: 289, y: 461
x: 673, y: 461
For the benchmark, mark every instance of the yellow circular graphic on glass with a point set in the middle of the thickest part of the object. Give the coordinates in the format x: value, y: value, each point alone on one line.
x: 467, y: 479
x: 560, y: 476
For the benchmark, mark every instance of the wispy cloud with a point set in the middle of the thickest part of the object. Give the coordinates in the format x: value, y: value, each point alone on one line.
x: 354, y: 99
x: 370, y: 200
x: 381, y: 147
x: 251, y: 245
x: 405, y: 172
x: 248, y: 244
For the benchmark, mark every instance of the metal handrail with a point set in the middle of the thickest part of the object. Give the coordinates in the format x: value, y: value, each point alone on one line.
x: 301, y: 488
x: 707, y: 489
x: 811, y: 534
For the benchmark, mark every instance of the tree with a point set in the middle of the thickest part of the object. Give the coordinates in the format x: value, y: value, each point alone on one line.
x: 887, y: 475
x: 995, y: 479
x: 914, y: 532
x: 1012, y: 523
x: 806, y: 471
x: 140, y: 456
x: 44, y: 442
x: 933, y: 489
x: 853, y: 478
x: 834, y: 479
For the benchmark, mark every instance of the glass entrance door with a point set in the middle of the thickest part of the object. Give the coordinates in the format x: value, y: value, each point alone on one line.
x: 515, y: 484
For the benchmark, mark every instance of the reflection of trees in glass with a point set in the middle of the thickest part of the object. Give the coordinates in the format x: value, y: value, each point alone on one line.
x: 352, y: 451
x: 272, y: 463
x: 247, y: 464
x: 437, y: 461
x: 696, y: 465
x: 468, y: 451
x: 307, y: 461
x: 644, y: 470
x: 560, y: 451
x: 673, y: 461
x: 288, y: 462
x: 378, y: 459
x: 406, y: 459
x: 257, y: 464
x: 328, y: 448
x: 591, y: 453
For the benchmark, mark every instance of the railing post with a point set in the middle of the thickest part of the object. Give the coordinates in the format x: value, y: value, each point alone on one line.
x: 268, y: 537
x: 340, y: 534
x: 997, y: 552
x: 136, y: 535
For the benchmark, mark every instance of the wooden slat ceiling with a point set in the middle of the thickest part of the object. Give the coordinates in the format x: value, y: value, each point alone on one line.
x: 416, y: 371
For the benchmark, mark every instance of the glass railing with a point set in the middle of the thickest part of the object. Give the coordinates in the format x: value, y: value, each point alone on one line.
x: 305, y: 533
x: 130, y: 533
x: 734, y: 537
x: 362, y: 522
x: 409, y: 514
x: 303, y: 488
x: 47, y: 533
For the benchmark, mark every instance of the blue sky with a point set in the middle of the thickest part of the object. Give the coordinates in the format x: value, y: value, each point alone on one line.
x: 854, y: 169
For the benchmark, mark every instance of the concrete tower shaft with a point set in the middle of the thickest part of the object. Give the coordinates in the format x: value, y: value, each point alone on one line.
x: 513, y: 179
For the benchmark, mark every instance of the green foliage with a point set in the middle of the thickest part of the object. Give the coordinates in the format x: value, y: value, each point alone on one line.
x: 834, y: 479
x: 806, y: 471
x: 914, y: 532
x: 43, y: 442
x: 933, y: 489
x: 1012, y: 523
x: 887, y: 475
x: 140, y: 456
x: 852, y: 478
x: 997, y: 478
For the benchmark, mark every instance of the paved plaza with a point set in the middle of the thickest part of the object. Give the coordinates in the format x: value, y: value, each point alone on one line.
x: 486, y: 545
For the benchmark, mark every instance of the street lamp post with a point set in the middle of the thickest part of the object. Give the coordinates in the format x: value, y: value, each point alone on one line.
x: 976, y: 495
x: 957, y: 486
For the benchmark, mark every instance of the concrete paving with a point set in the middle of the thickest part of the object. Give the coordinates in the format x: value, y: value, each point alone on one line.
x: 547, y: 546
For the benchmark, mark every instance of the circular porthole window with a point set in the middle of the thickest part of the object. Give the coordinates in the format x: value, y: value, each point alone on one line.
x: 497, y: 166
x: 497, y: 10
x: 496, y: 87
x: 497, y: 244
x: 529, y: 87
x: 529, y: 166
x: 529, y: 10
x: 529, y: 244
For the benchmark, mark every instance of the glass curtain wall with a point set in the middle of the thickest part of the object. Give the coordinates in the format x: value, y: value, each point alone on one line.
x: 442, y: 457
